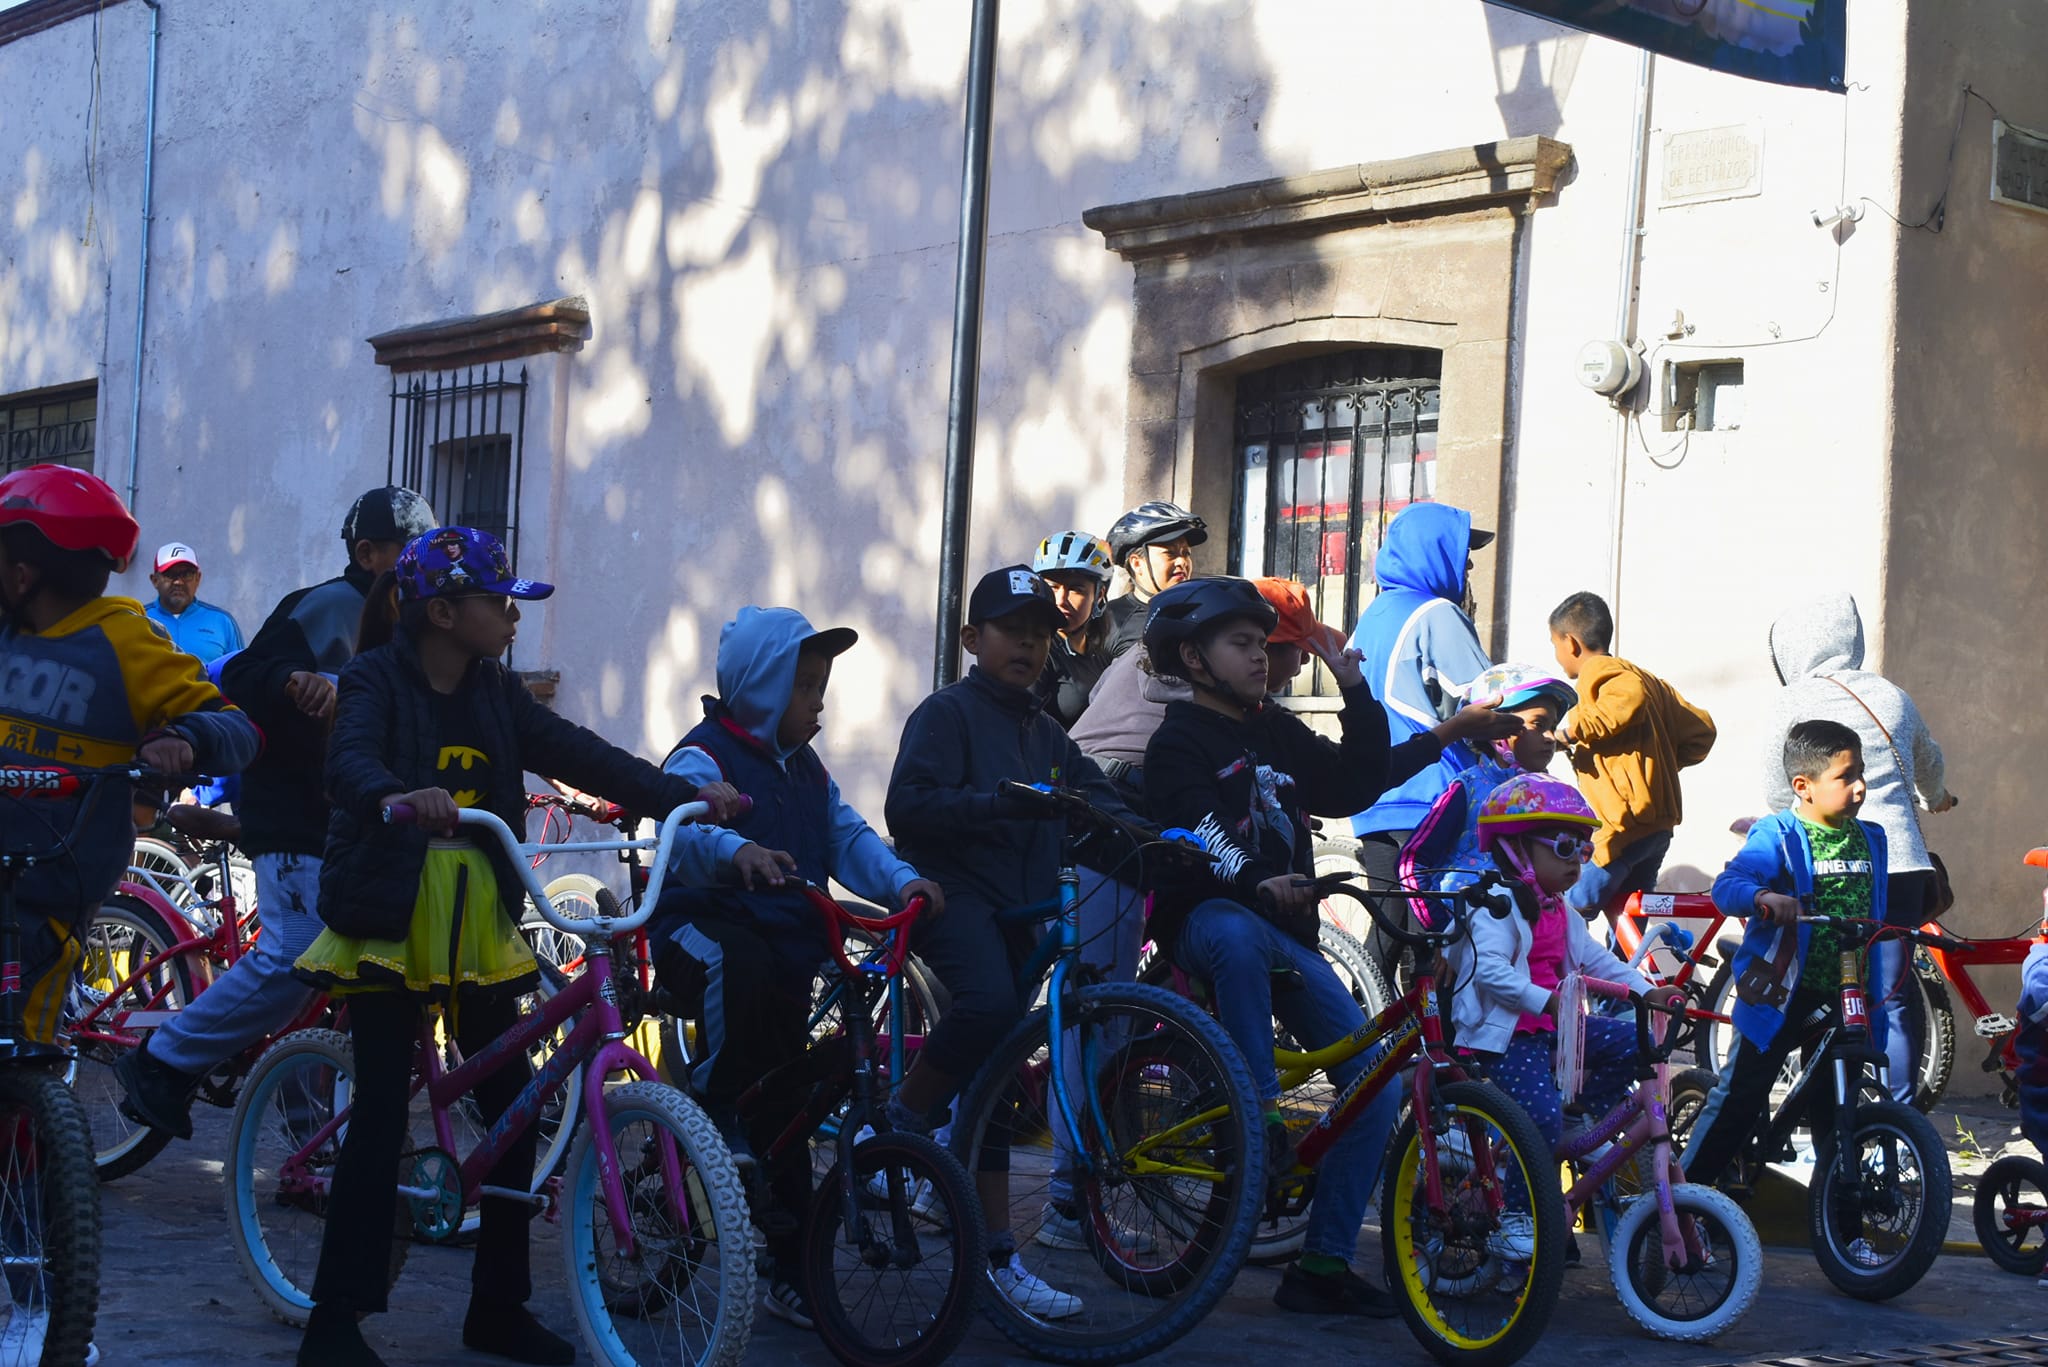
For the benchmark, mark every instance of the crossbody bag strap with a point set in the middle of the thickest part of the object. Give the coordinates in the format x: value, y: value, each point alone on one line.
x: 1905, y: 774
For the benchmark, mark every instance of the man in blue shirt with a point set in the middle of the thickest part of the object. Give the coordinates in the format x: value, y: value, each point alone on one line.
x: 197, y: 628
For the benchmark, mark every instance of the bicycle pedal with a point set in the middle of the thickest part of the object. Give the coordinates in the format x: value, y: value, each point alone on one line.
x: 1995, y: 1025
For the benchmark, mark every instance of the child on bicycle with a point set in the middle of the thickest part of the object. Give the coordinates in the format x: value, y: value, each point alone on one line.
x: 951, y: 820
x: 85, y: 680
x: 1815, y: 858
x: 1535, y: 700
x: 1246, y: 777
x: 1506, y: 975
x: 1628, y: 736
x: 428, y: 717
x: 746, y: 955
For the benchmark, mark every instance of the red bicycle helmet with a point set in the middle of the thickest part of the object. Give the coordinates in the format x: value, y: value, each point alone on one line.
x: 74, y: 511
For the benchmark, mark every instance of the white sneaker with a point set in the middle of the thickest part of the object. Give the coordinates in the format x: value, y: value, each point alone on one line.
x: 1064, y: 1232
x: 1025, y: 1291
x: 1514, y: 1240
x: 922, y: 1200
x: 21, y: 1342
x: 1864, y: 1254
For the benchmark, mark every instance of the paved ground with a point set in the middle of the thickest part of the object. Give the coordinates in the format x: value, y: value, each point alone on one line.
x: 174, y: 1296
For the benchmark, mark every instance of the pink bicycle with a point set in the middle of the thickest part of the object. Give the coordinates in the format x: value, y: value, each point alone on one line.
x: 659, y: 1253
x: 1686, y: 1262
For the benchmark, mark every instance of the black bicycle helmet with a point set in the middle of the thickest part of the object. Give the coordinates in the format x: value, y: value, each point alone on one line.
x: 1151, y: 523
x: 1185, y: 611
x: 392, y: 513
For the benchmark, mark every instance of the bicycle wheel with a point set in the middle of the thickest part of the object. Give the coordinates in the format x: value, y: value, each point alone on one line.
x: 1338, y: 854
x: 1164, y: 1201
x: 1932, y: 1020
x: 573, y: 895
x: 684, y: 1294
x: 1879, y: 1214
x: 2011, y: 1214
x: 1714, y: 1041
x: 278, y: 1214
x: 1477, y: 1289
x: 901, y: 1294
x: 123, y: 935
x: 1355, y: 967
x: 49, y: 1212
x: 1715, y: 1288
x: 166, y: 868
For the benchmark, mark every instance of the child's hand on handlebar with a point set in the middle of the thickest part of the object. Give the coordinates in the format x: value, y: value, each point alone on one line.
x: 1666, y: 998
x: 166, y: 753
x: 724, y: 800
x: 1777, y: 908
x: 1286, y: 893
x: 312, y: 693
x: 933, y: 894
x: 770, y: 867
x: 433, y: 809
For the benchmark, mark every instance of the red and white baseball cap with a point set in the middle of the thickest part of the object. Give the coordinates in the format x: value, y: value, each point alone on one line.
x: 175, y: 553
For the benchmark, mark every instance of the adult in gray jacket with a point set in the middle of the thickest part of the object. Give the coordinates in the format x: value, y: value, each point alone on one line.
x: 1818, y: 650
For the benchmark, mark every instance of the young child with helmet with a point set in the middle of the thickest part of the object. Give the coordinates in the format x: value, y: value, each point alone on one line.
x: 1247, y: 777
x: 1506, y: 975
x: 85, y: 680
x: 1154, y: 543
x: 1076, y: 567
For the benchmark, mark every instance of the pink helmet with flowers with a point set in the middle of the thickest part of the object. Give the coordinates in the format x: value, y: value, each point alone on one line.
x: 1532, y: 802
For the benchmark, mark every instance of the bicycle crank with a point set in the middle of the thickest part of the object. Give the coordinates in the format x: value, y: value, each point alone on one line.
x: 434, y: 1193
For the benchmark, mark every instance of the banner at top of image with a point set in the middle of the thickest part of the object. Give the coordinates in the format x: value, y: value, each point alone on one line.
x: 1790, y: 42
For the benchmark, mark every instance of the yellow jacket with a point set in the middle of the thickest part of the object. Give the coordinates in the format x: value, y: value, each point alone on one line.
x: 1630, y: 735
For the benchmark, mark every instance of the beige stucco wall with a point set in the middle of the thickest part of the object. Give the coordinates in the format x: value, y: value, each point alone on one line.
x: 1970, y: 488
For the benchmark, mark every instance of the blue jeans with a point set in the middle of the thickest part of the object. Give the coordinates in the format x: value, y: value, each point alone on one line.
x: 1259, y: 975
x: 1905, y: 900
x: 1632, y: 868
x: 258, y: 995
x: 1110, y: 918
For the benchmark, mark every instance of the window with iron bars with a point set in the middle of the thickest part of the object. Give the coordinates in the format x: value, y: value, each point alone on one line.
x: 459, y: 438
x: 49, y: 427
x: 1328, y: 449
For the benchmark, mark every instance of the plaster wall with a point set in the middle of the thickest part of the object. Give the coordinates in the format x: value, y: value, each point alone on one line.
x: 1970, y: 488
x: 759, y: 199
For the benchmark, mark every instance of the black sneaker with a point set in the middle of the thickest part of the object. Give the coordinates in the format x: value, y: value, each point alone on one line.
x: 1571, y: 1250
x: 786, y: 1301
x: 154, y: 1094
x: 1332, y: 1293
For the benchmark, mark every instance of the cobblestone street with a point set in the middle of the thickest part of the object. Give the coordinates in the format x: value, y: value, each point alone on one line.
x: 174, y: 1296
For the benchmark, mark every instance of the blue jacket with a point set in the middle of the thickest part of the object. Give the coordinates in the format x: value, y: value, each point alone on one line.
x: 202, y: 629
x: 756, y: 669
x: 2032, y: 1046
x: 1421, y: 650
x: 1777, y: 858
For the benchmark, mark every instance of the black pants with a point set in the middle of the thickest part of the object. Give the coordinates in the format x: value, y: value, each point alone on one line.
x: 976, y: 959
x: 753, y: 1002
x: 1379, y: 854
x: 356, y: 1250
x: 1737, y: 1108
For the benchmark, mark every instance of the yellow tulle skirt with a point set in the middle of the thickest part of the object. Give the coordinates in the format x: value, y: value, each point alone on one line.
x: 460, y: 941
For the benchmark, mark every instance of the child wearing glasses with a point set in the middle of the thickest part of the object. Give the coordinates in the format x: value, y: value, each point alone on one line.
x: 1539, y: 833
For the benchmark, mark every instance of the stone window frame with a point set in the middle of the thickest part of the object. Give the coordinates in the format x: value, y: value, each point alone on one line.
x: 1424, y: 252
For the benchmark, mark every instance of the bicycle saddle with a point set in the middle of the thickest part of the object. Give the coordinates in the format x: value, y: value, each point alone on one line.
x: 203, y: 823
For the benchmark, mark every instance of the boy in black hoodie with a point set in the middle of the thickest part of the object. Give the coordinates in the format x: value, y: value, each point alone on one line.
x: 953, y: 825
x: 1245, y: 777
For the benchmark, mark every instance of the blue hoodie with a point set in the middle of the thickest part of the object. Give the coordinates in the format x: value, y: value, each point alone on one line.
x: 1421, y: 650
x: 757, y: 653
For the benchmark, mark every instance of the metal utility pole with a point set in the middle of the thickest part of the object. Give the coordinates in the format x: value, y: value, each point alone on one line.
x: 967, y: 287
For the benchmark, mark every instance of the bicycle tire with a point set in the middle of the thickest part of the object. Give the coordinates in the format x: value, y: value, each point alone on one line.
x: 615, y: 1299
x: 1715, y: 1040
x: 1194, y: 1229
x: 2005, y: 1184
x: 1903, y: 1257
x: 937, y: 1324
x: 1466, y: 1266
x: 1635, y: 1261
x: 1336, y: 854
x: 124, y: 933
x: 1356, y: 968
x: 49, y: 1147
x: 1935, y: 1043
x: 280, y: 1260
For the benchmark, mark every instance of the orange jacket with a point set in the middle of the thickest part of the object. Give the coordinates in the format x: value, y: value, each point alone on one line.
x: 1630, y: 735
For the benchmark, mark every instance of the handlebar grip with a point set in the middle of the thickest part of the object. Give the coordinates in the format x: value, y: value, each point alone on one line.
x: 400, y: 814
x: 744, y: 806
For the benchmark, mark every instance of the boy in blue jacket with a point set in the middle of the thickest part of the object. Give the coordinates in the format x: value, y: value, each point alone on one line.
x: 1815, y: 857
x: 749, y: 952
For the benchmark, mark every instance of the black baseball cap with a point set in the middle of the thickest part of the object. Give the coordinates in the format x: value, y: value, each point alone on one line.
x: 1014, y: 588
x: 392, y: 513
x: 1479, y: 540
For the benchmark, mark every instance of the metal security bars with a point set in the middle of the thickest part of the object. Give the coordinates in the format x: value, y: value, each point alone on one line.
x: 49, y: 427
x: 459, y: 437
x: 1329, y: 448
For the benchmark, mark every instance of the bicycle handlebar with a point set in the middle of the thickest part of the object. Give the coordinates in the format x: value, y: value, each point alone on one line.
x: 51, y: 781
x: 521, y: 852
x: 1489, y: 891
x: 1182, y: 845
x: 1867, y: 932
x: 1648, y: 1046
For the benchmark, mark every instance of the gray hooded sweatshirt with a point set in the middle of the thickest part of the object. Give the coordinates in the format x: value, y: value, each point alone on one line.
x: 1818, y: 648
